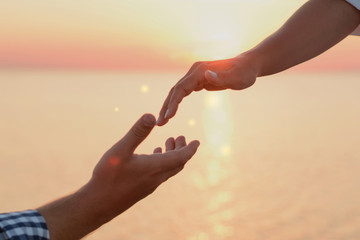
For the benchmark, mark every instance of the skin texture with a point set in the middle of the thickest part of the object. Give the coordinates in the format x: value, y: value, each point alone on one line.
x: 120, y: 179
x: 314, y: 28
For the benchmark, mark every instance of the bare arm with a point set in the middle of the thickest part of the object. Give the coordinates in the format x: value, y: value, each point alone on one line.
x: 120, y: 179
x: 315, y: 27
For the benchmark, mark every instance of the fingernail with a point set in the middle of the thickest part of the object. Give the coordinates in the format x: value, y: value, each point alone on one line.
x: 166, y: 114
x: 213, y: 74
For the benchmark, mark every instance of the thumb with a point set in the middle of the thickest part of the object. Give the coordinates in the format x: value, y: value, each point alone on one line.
x: 213, y: 78
x: 138, y: 132
x: 225, y: 79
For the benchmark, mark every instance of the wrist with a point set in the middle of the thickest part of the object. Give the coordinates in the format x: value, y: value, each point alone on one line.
x: 104, y: 201
x: 95, y: 203
x: 76, y: 215
x: 253, y: 61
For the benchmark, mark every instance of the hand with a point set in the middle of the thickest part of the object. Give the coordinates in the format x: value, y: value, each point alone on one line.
x: 235, y: 73
x: 123, y: 178
x: 120, y: 179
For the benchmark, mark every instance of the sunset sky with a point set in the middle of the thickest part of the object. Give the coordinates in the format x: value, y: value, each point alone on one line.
x: 143, y: 34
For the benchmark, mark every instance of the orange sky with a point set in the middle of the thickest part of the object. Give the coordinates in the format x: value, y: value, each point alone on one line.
x: 144, y: 35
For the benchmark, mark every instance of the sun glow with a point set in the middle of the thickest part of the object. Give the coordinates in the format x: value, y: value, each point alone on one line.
x: 217, y: 38
x: 134, y: 34
x: 218, y: 128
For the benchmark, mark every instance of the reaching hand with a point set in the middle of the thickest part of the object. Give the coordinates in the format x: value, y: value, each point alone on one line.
x: 235, y: 73
x: 120, y: 179
x: 123, y: 178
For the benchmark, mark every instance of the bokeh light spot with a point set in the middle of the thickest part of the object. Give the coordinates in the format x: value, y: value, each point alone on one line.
x: 212, y: 101
x: 191, y: 122
x: 144, y: 88
x: 226, y: 150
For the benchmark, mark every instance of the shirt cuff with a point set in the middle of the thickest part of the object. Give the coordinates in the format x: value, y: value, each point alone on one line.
x: 29, y: 225
x: 356, y: 4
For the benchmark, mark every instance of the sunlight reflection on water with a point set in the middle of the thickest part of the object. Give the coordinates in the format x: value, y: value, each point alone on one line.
x: 218, y: 129
x: 278, y: 161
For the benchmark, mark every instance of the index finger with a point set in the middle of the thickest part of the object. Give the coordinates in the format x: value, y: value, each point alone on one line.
x: 182, y: 88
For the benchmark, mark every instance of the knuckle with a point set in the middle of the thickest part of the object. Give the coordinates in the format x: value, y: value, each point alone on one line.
x: 180, y: 138
x: 139, y: 132
x: 197, y: 63
x: 179, y: 87
x: 204, y: 66
x: 171, y: 90
x: 182, y: 89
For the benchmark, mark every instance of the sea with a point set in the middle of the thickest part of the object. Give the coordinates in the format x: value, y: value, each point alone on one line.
x: 277, y: 161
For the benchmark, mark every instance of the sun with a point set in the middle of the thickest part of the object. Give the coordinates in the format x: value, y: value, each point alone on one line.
x: 217, y: 37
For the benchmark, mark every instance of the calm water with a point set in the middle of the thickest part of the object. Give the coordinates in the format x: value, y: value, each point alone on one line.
x: 278, y: 161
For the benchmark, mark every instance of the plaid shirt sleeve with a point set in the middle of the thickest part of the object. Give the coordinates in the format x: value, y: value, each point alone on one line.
x: 356, y: 4
x: 27, y: 225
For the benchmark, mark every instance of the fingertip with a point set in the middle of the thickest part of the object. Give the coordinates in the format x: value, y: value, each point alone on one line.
x: 149, y: 120
x: 191, y: 149
x: 158, y: 150
x: 181, y: 138
x: 170, y: 139
x: 162, y: 122
x: 180, y: 142
x: 195, y: 144
x: 170, y: 112
x: 170, y: 144
x: 137, y: 133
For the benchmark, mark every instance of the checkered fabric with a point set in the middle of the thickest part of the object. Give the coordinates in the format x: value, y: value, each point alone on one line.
x: 27, y: 225
x: 356, y: 4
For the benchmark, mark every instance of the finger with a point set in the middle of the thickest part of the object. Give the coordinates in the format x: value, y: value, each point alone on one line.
x: 189, y: 151
x: 158, y: 150
x: 181, y: 90
x: 169, y: 144
x: 213, y: 78
x: 180, y: 142
x: 174, y: 159
x: 193, y: 81
x: 228, y: 79
x: 161, y: 120
x: 139, y: 131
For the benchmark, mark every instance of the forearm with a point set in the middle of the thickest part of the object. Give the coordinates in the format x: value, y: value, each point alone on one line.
x: 315, y: 27
x: 74, y: 216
